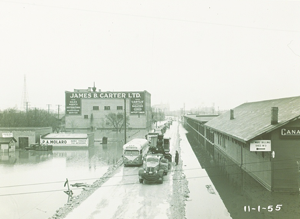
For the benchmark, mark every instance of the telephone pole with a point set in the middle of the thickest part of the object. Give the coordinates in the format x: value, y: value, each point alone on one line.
x: 48, y: 108
x: 58, y: 111
x: 125, y: 140
x: 25, y: 96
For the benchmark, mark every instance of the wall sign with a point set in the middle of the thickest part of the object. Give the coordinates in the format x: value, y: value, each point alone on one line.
x: 73, y: 105
x: 7, y: 135
x: 73, y: 100
x: 290, y: 132
x: 137, y: 104
x: 260, y: 145
x: 65, y: 142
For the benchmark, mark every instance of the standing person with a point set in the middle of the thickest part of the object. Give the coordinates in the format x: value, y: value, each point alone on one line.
x: 176, y: 157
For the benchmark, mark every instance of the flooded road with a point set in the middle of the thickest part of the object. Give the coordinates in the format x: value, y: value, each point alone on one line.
x: 242, y: 195
x: 32, y: 182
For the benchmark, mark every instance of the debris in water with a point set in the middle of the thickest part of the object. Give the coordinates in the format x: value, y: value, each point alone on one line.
x: 210, y: 189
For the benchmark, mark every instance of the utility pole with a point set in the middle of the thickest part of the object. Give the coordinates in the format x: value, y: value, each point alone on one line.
x: 26, y: 107
x: 58, y: 111
x: 25, y: 96
x: 156, y: 117
x: 125, y: 140
x: 48, y: 108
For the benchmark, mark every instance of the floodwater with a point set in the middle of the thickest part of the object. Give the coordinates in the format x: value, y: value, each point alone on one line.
x: 32, y: 182
x: 242, y: 195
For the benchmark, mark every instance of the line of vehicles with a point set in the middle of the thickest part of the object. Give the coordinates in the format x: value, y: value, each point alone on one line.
x: 151, y: 153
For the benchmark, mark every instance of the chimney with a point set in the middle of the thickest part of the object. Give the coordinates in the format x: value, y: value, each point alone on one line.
x: 274, y: 115
x: 231, y: 114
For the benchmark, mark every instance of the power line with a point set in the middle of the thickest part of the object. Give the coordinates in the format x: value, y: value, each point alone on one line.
x: 105, y: 178
x: 188, y: 169
x: 155, y: 17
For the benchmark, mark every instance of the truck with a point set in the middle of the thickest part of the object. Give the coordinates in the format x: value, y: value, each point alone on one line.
x: 159, y: 144
x: 157, y: 161
x: 154, y: 169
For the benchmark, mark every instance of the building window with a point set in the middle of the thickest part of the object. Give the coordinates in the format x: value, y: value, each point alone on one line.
x: 95, y: 107
x: 106, y: 107
x: 86, y: 116
x: 119, y: 107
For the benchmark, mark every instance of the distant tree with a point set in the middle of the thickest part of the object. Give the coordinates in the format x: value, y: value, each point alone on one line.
x: 157, y: 115
x: 32, y: 118
x: 117, y: 120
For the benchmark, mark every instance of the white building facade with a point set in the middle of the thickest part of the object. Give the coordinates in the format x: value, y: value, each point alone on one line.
x: 88, y: 109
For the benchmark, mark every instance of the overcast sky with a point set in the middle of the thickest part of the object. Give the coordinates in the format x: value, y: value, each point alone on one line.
x: 196, y: 53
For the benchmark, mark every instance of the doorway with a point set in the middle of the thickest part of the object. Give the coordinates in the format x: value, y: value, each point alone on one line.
x: 23, y: 142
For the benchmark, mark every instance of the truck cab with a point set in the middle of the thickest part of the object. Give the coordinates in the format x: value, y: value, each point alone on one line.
x: 153, y: 169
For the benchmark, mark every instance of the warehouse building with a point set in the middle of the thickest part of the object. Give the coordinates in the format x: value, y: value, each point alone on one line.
x: 262, y: 138
x: 90, y: 110
x: 24, y: 136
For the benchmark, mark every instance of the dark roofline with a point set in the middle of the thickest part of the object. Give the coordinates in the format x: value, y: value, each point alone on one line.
x: 268, y: 100
x: 2, y: 139
x: 209, y: 115
x: 22, y: 128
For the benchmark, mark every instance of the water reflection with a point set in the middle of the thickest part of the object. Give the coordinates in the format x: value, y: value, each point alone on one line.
x: 242, y: 195
x: 39, y: 176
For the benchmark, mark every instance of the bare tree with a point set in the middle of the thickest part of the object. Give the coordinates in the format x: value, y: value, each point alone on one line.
x: 117, y: 120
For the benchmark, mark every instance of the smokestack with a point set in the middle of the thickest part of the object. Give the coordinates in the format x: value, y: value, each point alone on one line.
x: 274, y: 115
x: 231, y: 114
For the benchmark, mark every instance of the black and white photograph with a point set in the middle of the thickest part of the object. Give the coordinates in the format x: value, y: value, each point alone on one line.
x: 139, y: 109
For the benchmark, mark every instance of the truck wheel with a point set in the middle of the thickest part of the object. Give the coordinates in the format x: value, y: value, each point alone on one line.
x: 141, y: 180
x: 160, y: 182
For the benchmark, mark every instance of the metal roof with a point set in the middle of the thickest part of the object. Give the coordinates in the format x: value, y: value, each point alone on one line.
x: 65, y: 135
x: 254, y: 118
